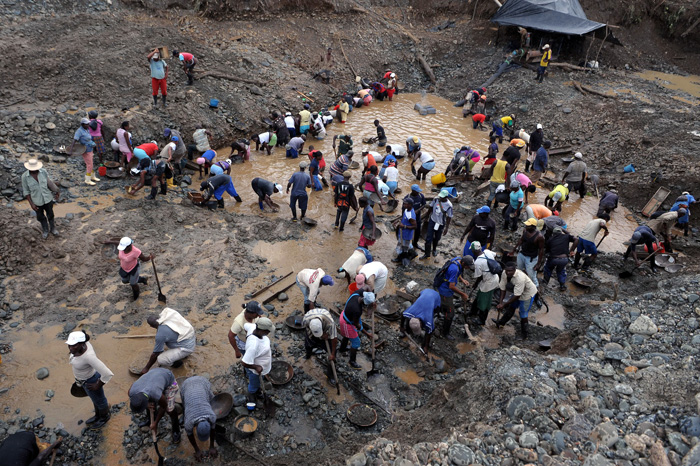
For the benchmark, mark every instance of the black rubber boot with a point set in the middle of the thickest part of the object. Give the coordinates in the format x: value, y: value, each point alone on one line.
x: 446, y: 325
x: 91, y: 420
x: 577, y: 260
x: 164, y: 188
x: 238, y: 199
x: 428, y: 247
x: 527, y: 166
x: 44, y: 228
x: 155, y: 100
x: 103, y: 415
x: 220, y: 203
x: 52, y: 227
x: 143, y: 280
x: 307, y: 307
x: 136, y: 291
x: 165, y: 103
x: 343, y: 345
x: 523, y: 328
x: 154, y: 192
x: 353, y: 359
x: 483, y: 315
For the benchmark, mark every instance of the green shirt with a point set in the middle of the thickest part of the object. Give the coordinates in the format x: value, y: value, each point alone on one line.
x: 38, y: 191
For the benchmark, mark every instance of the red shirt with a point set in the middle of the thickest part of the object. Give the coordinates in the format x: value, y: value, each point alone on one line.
x: 187, y: 56
x: 321, y: 163
x: 148, y: 148
x: 387, y: 75
x: 370, y: 161
x: 479, y: 118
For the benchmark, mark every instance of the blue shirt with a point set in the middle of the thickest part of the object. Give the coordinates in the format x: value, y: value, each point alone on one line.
x: 300, y: 181
x: 424, y: 307
x: 209, y: 155
x: 516, y: 198
x: 647, y: 234
x: 541, y: 160
x: 83, y: 137
x: 407, y: 235
x: 497, y: 129
x: 158, y: 69
x: 387, y: 159
x: 677, y: 205
x: 454, y: 270
x: 313, y: 167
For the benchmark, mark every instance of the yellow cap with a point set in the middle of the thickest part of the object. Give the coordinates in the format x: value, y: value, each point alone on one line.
x: 415, y: 139
x: 531, y: 222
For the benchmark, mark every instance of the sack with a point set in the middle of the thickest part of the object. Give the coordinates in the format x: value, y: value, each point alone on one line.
x: 439, y: 278
x: 495, y: 267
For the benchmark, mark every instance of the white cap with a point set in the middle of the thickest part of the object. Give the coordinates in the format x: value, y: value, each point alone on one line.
x: 578, y: 155
x: 75, y: 337
x: 316, y: 327
x: 393, y: 75
x: 124, y: 243
x: 539, y: 126
x: 546, y: 46
x: 278, y: 187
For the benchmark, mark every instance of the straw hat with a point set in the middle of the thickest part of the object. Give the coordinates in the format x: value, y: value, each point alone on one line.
x: 33, y: 165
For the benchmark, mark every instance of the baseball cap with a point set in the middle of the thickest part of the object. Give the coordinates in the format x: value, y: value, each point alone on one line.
x: 540, y: 224
x: 469, y: 260
x: 531, y: 222
x: 203, y: 430
x: 368, y: 297
x: 476, y: 246
x: 546, y: 46
x: 539, y: 126
x: 636, y: 236
x: 682, y: 212
x: 347, y: 174
x: 303, y: 164
x: 166, y: 132
x: 254, y: 308
x: 278, y: 187
x: 416, y: 188
x: 327, y: 280
x: 264, y: 323
x: 125, y: 242
x: 560, y: 230
x: 483, y: 210
x: 288, y: 114
x: 307, y: 106
x: 135, y: 171
x: 138, y: 402
x: 415, y: 139
x: 316, y: 327
x: 75, y: 337
x: 443, y: 193
x: 578, y: 155
x: 84, y: 121
x: 174, y: 139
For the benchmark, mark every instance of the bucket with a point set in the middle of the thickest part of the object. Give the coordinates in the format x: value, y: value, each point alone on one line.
x: 452, y: 192
x: 214, y: 103
x: 353, y: 287
x: 629, y: 169
x: 102, y: 170
x: 438, y: 179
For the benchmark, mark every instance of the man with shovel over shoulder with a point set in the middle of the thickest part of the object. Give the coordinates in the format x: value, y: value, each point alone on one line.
x: 320, y: 328
x: 129, y: 270
x: 258, y: 356
x: 420, y: 316
x: 174, y: 332
x: 351, y: 323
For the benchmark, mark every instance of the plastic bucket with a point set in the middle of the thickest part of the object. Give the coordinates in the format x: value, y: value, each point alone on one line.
x: 629, y: 169
x: 352, y: 287
x: 438, y: 179
x: 102, y: 170
x: 214, y: 103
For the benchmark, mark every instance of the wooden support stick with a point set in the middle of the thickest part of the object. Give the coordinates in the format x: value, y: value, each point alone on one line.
x: 305, y: 96
x: 123, y: 337
x: 426, y: 68
x: 346, y: 58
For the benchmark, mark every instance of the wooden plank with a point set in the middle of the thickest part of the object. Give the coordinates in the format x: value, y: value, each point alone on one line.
x: 483, y: 187
x: 405, y: 295
x: 561, y: 150
x: 271, y: 284
x: 656, y: 201
x: 280, y: 287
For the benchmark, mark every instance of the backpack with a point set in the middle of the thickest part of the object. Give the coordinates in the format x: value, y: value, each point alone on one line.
x: 495, y: 267
x: 439, y: 278
x: 344, y: 190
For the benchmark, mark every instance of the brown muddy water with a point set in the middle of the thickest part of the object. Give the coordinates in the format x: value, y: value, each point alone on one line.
x: 689, y: 84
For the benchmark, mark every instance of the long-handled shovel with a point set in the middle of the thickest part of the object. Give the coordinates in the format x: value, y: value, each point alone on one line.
x: 628, y: 274
x: 161, y: 458
x: 269, y: 405
x: 161, y: 296
x: 373, y: 371
x: 352, y: 220
x: 335, y: 374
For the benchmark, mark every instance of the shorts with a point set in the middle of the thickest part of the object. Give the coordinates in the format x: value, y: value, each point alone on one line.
x: 170, y: 394
x: 364, y: 242
x: 586, y: 246
x: 304, y: 129
x: 524, y: 307
x: 140, y: 154
x: 428, y: 165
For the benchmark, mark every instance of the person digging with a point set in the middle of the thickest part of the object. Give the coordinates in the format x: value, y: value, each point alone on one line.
x: 419, y: 318
x: 156, y: 390
x: 198, y: 414
x: 174, y: 332
x: 351, y: 324
x: 320, y: 328
x: 523, y: 295
x: 310, y: 282
x: 216, y: 186
x: 129, y: 266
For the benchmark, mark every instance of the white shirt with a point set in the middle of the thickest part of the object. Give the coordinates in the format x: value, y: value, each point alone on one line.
x: 289, y: 121
x: 425, y: 157
x: 318, y: 125
x: 264, y: 137
x: 397, y: 150
x: 489, y: 281
x: 257, y: 351
x: 590, y: 231
x: 392, y: 174
x: 375, y: 268
x: 201, y: 140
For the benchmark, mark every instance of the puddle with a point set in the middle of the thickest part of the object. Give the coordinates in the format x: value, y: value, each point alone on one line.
x: 578, y: 212
x: 689, y: 84
x: 408, y: 376
x: 555, y: 317
x: 61, y: 209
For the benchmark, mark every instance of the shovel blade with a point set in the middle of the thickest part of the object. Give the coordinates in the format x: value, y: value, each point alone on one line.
x: 625, y: 274
x: 161, y: 297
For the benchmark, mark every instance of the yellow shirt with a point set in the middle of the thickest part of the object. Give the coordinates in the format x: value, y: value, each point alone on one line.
x: 544, y: 61
x: 560, y: 188
x: 507, y: 121
x: 499, y: 172
x: 304, y: 118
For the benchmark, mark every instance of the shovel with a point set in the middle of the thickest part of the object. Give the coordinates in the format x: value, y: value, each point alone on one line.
x: 161, y: 296
x: 373, y: 371
x: 628, y: 274
x: 269, y: 405
x: 335, y: 374
x: 420, y: 348
x: 161, y: 458
x: 352, y: 220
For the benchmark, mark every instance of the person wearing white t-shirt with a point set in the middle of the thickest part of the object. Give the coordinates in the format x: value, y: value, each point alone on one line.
x: 486, y: 283
x: 290, y: 124
x: 391, y: 177
x: 258, y: 356
x: 427, y: 163
x: 374, y: 274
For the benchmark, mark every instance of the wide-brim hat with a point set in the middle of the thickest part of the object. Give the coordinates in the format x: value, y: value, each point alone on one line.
x: 33, y: 165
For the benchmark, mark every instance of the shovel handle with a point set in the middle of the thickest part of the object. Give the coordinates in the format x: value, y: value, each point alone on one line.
x: 155, y: 273
x: 335, y: 374
x: 153, y: 432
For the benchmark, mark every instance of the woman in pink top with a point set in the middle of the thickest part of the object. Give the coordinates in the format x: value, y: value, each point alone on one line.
x: 129, y: 269
x: 98, y: 136
x: 124, y: 142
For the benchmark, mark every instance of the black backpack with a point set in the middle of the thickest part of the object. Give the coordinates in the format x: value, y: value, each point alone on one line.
x: 439, y: 278
x: 494, y: 266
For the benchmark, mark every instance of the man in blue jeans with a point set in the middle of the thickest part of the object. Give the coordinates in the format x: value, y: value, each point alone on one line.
x: 523, y: 293
x: 298, y: 184
x: 558, y: 255
x: 531, y: 255
x: 448, y: 288
x: 218, y: 185
x: 258, y: 356
x: 315, y: 171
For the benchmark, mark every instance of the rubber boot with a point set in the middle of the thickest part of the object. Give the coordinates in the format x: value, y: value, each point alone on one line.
x: 307, y: 307
x: 483, y: 315
x: 238, y: 199
x: 577, y: 260
x: 527, y: 166
x: 164, y: 188
x: 93, y: 177
x: 136, y: 291
x: 524, y: 327
x: 428, y: 247
x: 165, y: 103
x: 155, y: 101
x: 398, y: 258
x: 154, y: 193
x: 175, y: 436
x: 103, y: 415
x: 44, y: 228
x: 88, y: 181
x: 343, y: 345
x: 91, y: 420
x: 446, y: 325
x: 220, y: 203
x: 143, y: 280
x: 353, y: 359
x: 52, y: 227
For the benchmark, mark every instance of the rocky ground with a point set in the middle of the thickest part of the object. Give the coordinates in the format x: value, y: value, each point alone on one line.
x: 619, y: 383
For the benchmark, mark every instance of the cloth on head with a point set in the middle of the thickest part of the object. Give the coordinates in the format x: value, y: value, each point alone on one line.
x: 368, y: 297
x: 278, y: 187
x: 177, y: 323
x: 515, y: 184
x: 360, y: 280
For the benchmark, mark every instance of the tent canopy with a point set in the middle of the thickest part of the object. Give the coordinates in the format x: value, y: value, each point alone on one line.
x: 560, y: 16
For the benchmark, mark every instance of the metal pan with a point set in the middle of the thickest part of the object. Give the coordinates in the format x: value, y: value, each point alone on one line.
x: 294, y: 322
x: 280, y: 373
x: 354, y: 165
x: 582, y: 281
x: 361, y: 415
x: 367, y: 231
x: 111, y: 164
x: 673, y: 268
x: 391, y: 205
x: 222, y: 404
x: 664, y: 260
x: 78, y: 392
x: 115, y: 173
